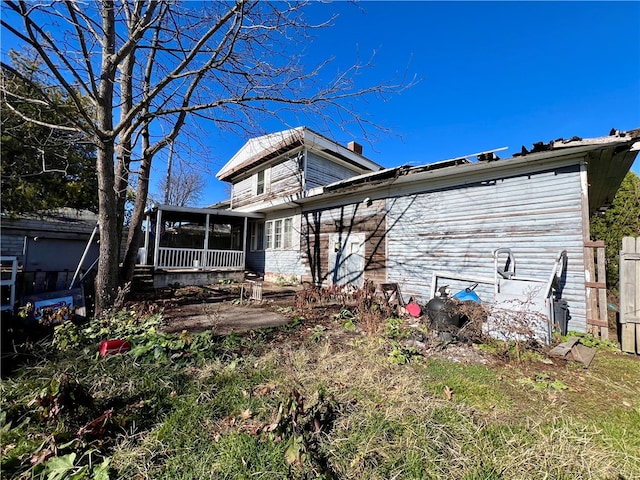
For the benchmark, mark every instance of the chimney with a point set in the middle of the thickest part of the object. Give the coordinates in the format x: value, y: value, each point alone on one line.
x: 355, y: 147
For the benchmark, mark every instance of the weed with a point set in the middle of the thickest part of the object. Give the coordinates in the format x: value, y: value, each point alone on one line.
x: 264, y: 405
x: 401, y: 355
x: 543, y: 382
x: 394, y: 328
x: 317, y: 335
x: 286, y: 280
x: 589, y: 340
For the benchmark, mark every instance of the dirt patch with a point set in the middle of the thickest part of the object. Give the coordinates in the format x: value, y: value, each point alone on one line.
x: 222, y: 317
x: 226, y: 309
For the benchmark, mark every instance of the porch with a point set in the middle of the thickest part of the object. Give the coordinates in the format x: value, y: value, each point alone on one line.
x: 194, y: 244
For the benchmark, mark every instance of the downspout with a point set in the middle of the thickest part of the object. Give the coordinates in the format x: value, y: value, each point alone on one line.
x: 304, y: 169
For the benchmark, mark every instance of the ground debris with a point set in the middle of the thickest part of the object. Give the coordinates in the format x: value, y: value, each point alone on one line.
x: 572, y: 349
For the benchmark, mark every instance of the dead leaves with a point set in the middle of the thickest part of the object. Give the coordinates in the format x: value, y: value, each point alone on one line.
x: 448, y: 393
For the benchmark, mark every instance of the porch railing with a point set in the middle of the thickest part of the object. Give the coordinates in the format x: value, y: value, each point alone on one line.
x: 199, y: 258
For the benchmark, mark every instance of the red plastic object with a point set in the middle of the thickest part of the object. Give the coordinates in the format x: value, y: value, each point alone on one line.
x: 110, y: 347
x: 414, y: 309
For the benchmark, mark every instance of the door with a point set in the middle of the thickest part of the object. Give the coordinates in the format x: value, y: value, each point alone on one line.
x: 346, y: 259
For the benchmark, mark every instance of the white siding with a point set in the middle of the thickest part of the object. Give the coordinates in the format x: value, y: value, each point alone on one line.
x: 284, y: 262
x: 456, y: 230
x: 286, y: 178
x: 289, y: 261
x: 242, y: 192
x: 321, y: 171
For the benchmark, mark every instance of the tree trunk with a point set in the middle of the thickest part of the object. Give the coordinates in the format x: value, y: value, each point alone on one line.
x: 107, y: 278
x: 134, y: 239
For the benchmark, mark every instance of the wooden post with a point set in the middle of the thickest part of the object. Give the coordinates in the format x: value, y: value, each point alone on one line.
x: 602, y: 292
x: 596, y: 289
x: 630, y: 294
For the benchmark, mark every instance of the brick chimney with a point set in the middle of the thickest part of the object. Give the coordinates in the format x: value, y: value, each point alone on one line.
x: 355, y: 147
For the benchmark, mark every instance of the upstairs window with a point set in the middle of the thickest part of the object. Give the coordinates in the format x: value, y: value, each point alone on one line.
x: 260, y: 182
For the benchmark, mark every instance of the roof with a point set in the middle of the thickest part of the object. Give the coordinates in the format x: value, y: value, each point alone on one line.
x: 262, y: 149
x: 608, y: 160
x: 193, y: 214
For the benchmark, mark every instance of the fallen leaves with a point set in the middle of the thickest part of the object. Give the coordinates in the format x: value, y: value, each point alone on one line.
x: 448, y: 393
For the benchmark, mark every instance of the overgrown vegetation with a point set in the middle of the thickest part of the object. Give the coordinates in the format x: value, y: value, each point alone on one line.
x: 311, y: 400
x: 621, y: 220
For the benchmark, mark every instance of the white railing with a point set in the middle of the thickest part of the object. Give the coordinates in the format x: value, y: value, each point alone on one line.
x: 198, y: 258
x: 9, y: 272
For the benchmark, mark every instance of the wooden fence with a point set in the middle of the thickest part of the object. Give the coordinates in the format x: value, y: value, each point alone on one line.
x: 630, y: 295
x: 596, y: 284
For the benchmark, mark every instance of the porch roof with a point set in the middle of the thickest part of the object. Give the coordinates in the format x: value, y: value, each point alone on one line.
x: 172, y: 212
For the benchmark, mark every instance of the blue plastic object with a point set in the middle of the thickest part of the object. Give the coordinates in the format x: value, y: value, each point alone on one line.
x: 468, y: 295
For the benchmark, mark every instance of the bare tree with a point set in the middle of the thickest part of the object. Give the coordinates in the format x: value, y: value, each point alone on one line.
x: 150, y: 68
x: 184, y: 187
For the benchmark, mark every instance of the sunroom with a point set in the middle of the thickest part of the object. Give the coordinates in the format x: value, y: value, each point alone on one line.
x: 195, y: 240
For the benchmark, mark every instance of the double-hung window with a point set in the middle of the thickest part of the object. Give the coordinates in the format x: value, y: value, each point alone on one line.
x: 279, y: 233
x: 287, y: 233
x: 260, y: 182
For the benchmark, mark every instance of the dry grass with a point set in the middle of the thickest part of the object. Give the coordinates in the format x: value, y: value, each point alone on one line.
x: 432, y: 417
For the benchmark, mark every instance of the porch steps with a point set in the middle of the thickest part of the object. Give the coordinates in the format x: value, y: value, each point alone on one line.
x: 142, y: 279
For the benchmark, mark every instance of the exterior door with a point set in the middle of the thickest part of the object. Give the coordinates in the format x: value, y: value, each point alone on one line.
x: 346, y: 259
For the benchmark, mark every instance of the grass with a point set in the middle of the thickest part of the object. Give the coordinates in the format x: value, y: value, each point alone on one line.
x: 276, y: 404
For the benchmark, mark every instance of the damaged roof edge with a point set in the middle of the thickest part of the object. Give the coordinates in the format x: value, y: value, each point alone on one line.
x: 567, y: 151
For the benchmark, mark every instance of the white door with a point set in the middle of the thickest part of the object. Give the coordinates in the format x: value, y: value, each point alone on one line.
x: 346, y: 259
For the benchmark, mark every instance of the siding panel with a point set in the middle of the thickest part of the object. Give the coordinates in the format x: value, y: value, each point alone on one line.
x: 319, y: 225
x: 457, y: 230
x: 321, y: 171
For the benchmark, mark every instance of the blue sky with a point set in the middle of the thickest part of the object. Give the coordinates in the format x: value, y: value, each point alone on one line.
x: 493, y: 74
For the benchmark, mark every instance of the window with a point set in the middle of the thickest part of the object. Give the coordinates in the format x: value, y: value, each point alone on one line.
x: 269, y: 227
x: 287, y: 235
x: 260, y: 182
x: 279, y: 233
x: 257, y: 236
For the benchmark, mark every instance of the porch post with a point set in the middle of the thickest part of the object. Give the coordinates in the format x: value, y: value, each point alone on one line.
x: 203, y: 261
x: 156, y: 254
x: 146, y: 239
x: 244, y: 243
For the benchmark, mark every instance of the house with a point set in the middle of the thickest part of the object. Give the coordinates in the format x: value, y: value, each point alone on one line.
x: 304, y: 208
x: 46, y: 253
x: 326, y: 214
x: 259, y: 225
x: 48, y: 247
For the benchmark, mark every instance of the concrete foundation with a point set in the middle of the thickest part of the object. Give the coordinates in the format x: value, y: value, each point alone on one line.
x: 164, y: 278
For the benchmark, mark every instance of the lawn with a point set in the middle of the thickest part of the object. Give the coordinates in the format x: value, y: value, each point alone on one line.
x: 317, y: 398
